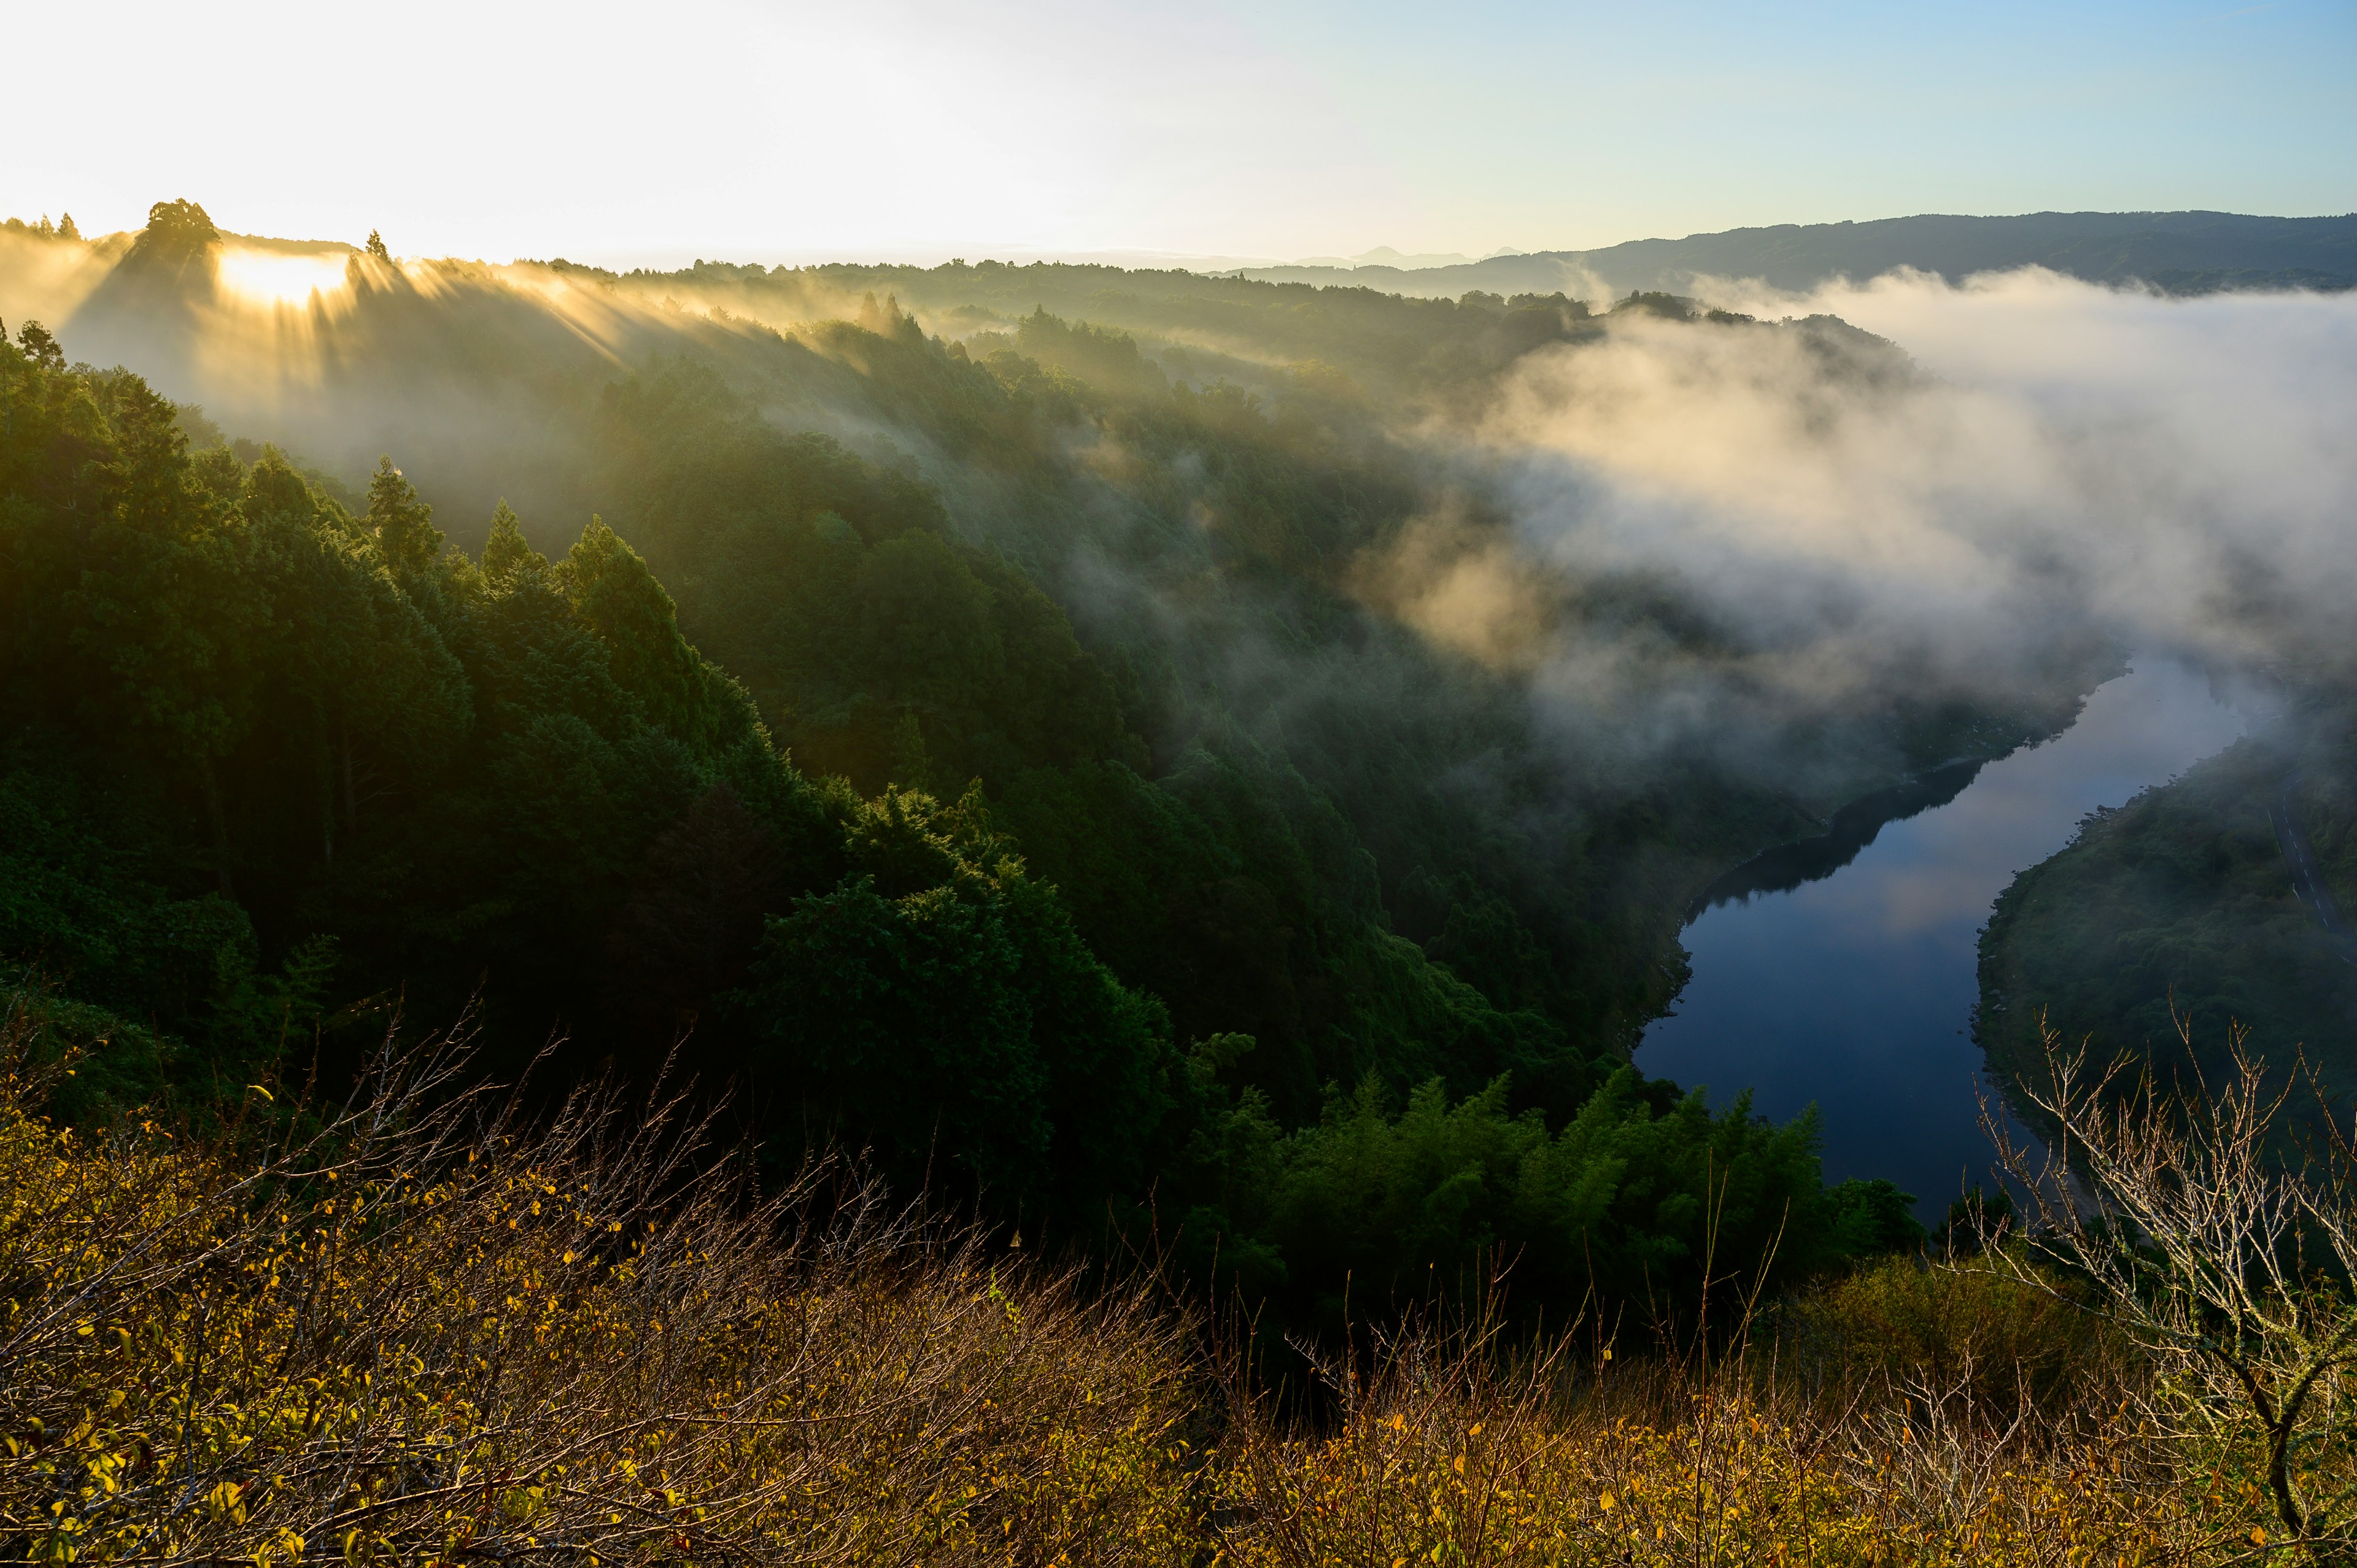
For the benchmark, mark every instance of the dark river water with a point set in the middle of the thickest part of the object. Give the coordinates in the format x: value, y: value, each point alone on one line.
x: 1855, y: 989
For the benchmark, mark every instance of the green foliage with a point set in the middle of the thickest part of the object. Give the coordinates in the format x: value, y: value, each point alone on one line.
x: 74, y: 913
x: 1638, y: 1193
x: 1870, y: 1216
x: 833, y: 589
x: 215, y: 676
x: 405, y: 535
x: 937, y: 1005
x: 40, y: 347
x: 612, y: 591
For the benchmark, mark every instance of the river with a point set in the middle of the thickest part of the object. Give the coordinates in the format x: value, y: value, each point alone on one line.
x: 1854, y: 988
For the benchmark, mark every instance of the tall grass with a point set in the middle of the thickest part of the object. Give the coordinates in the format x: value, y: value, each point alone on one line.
x: 421, y: 1327
x: 1449, y: 1452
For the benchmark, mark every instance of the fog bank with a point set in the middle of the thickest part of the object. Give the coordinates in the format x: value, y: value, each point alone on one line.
x: 2062, y: 465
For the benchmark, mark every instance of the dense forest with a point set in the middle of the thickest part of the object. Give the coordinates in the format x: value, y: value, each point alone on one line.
x: 993, y: 743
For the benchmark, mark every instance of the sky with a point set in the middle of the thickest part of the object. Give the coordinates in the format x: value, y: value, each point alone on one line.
x: 754, y: 130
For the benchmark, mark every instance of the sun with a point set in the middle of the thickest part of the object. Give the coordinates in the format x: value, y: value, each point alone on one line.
x: 267, y: 278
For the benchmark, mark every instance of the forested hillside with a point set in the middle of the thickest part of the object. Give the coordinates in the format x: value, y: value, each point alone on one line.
x: 1009, y: 750
x: 2181, y: 909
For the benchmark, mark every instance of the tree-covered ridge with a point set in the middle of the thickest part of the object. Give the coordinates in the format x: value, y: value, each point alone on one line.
x: 1080, y: 824
x: 1202, y: 865
x: 273, y: 768
x: 2170, y: 919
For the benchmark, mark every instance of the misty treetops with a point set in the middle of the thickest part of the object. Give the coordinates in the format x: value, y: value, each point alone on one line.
x: 898, y: 850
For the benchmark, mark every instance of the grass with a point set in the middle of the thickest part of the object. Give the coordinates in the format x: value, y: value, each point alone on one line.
x: 423, y: 1329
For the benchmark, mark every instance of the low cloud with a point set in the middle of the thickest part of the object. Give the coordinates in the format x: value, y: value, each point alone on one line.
x: 2042, y: 467
x: 1466, y: 590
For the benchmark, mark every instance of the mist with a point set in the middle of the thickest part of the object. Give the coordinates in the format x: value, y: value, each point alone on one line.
x: 1756, y: 546
x: 2038, y: 471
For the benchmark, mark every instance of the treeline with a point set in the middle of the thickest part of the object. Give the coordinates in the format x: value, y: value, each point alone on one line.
x: 1200, y: 328
x: 41, y: 228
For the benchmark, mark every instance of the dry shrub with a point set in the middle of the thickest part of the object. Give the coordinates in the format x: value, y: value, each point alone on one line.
x: 1446, y: 1453
x: 424, y: 1329
x: 2216, y: 1223
x: 420, y: 1331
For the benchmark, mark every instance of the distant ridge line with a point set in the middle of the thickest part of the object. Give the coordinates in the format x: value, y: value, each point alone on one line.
x: 2178, y: 252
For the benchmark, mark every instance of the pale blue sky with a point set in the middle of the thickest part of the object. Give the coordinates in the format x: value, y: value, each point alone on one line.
x: 919, y: 128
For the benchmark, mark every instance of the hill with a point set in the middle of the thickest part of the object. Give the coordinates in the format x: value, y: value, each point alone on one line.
x: 2178, y: 252
x: 1026, y: 749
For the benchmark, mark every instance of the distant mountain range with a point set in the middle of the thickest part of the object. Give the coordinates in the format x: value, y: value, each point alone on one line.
x: 2178, y: 252
x: 1385, y: 256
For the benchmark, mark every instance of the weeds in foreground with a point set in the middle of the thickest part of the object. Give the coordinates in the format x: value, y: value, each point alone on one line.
x: 421, y: 1330
x: 1449, y: 1455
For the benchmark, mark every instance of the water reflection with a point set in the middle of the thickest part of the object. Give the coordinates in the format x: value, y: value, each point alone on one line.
x: 1844, y: 971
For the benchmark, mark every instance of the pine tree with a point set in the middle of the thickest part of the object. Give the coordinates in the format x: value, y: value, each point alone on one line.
x: 509, y: 561
x: 403, y: 526
x: 66, y: 230
x: 376, y: 248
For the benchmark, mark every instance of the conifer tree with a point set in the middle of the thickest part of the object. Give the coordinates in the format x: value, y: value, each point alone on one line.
x: 618, y: 598
x: 403, y: 526
x: 509, y: 560
x: 376, y: 248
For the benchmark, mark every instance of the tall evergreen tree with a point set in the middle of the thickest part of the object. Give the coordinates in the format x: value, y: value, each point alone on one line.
x: 507, y: 559
x: 403, y: 526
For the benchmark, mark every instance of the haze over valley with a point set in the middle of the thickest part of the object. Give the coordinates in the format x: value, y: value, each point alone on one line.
x: 990, y: 847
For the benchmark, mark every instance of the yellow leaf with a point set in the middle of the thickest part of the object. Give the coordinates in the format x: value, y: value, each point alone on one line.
x: 1608, y: 1502
x: 2258, y: 1535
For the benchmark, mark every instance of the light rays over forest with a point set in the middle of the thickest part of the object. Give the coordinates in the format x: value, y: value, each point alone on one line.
x: 270, y: 280
x: 1189, y: 767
